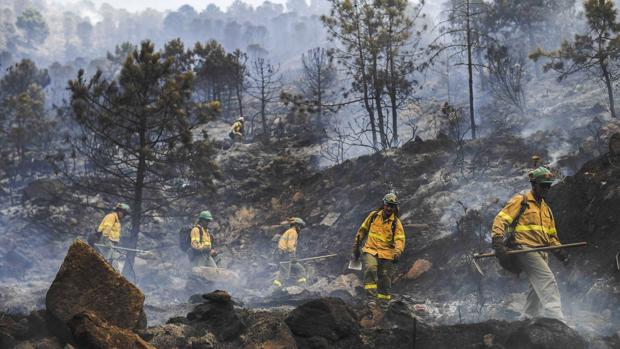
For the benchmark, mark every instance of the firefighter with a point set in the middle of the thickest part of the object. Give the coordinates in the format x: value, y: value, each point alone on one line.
x: 527, y: 222
x: 286, y: 251
x: 236, y: 130
x: 384, y: 243
x: 201, y: 252
x: 109, y: 233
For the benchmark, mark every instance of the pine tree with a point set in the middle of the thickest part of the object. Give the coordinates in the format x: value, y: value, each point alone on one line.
x: 33, y: 24
x: 595, y: 52
x: 22, y: 112
x: 319, y: 78
x: 265, y: 83
x: 464, y: 19
x: 137, y: 132
x: 371, y: 37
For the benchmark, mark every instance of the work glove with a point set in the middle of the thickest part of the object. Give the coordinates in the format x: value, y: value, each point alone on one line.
x: 396, y: 258
x: 500, y: 247
x: 94, y: 238
x: 562, y: 256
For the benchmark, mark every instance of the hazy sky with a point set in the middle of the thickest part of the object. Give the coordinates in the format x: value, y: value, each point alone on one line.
x: 138, y: 5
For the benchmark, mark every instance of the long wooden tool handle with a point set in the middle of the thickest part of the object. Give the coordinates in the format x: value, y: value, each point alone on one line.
x: 313, y: 258
x: 538, y: 249
x: 319, y: 257
x: 122, y: 248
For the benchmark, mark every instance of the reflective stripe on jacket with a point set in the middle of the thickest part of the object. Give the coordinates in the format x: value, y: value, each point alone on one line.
x: 201, y: 240
x: 379, y: 242
x: 288, y: 241
x: 110, y: 227
x: 536, y: 226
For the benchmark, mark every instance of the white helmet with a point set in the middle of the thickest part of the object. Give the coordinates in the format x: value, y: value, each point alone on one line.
x: 241, y: 119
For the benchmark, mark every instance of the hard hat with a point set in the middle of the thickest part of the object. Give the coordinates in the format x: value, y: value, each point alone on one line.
x: 390, y: 199
x: 122, y: 207
x: 541, y: 175
x: 206, y: 215
x: 298, y: 221
x: 241, y: 119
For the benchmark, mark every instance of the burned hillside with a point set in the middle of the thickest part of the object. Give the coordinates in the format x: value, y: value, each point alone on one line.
x: 445, y: 302
x: 338, y: 174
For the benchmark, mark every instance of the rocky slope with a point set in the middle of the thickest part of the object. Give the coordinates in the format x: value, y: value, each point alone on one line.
x: 449, y: 195
x: 95, y: 318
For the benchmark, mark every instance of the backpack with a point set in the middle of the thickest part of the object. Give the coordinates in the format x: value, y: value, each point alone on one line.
x: 372, y: 219
x: 185, y: 237
x: 509, y: 236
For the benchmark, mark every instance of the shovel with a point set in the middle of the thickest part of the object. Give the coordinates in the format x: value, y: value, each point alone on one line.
x: 355, y: 264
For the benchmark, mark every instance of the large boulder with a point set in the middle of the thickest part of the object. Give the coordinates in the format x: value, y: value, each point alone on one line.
x: 217, y: 314
x: 324, y: 323
x: 86, y: 282
x: 268, y: 331
x: 90, y: 331
x: 544, y: 334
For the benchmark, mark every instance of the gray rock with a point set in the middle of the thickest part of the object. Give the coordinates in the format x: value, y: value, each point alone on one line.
x: 168, y: 336
x: 544, y: 334
x: 323, y: 321
x: 217, y: 314
x: 86, y: 282
x: 90, y: 331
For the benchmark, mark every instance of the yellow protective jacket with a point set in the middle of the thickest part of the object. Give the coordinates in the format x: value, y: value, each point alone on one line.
x: 237, y: 128
x: 288, y: 241
x: 536, y: 226
x: 110, y: 227
x: 379, y: 242
x: 201, y: 239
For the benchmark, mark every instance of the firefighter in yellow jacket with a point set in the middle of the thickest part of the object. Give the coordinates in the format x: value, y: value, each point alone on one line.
x: 109, y: 233
x: 527, y: 222
x: 385, y: 242
x: 236, y: 130
x: 201, y: 252
x: 287, y: 251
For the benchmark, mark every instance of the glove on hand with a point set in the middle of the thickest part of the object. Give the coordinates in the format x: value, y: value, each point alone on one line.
x: 562, y: 256
x: 396, y: 259
x: 499, y: 247
x: 94, y: 238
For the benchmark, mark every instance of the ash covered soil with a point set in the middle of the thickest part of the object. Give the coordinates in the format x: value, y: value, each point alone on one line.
x: 449, y: 196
